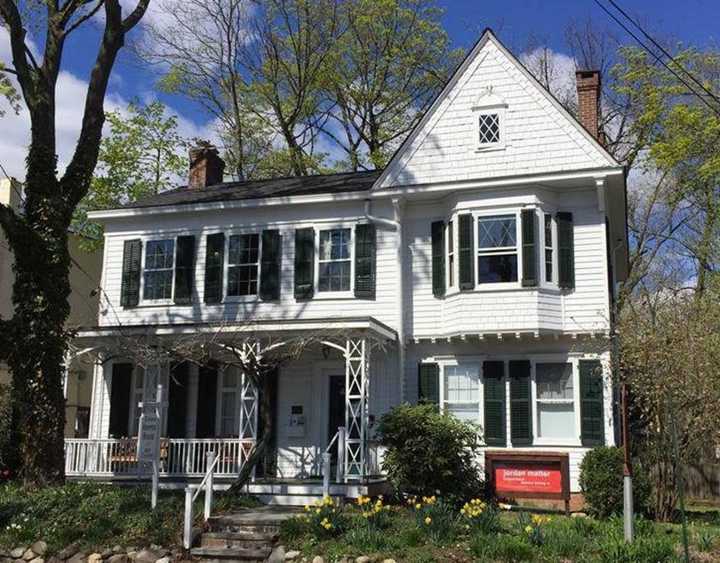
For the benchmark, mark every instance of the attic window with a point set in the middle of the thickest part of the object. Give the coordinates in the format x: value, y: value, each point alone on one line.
x: 489, y: 128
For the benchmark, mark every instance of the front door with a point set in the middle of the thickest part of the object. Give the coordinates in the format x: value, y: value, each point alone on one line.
x: 336, y: 406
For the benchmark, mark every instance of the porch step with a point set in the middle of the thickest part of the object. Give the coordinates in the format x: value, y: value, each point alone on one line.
x: 244, y: 539
x: 230, y: 554
x: 294, y: 500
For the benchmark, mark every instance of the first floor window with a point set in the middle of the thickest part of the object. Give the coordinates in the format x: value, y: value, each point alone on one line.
x: 555, y: 400
x: 137, y: 397
x: 497, y: 249
x: 158, y: 272
x: 334, y: 260
x: 462, y: 391
x: 228, y: 402
x: 243, y: 258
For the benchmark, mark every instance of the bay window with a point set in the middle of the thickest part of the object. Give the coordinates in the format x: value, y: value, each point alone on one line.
x: 497, y: 249
x: 555, y: 401
x: 548, y: 246
x: 334, y: 263
x: 451, y: 254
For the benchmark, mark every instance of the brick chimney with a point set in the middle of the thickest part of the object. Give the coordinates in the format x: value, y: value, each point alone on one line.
x: 588, y: 89
x: 206, y: 166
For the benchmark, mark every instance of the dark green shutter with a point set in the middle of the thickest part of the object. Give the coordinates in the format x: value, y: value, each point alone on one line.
x: 566, y: 251
x: 429, y: 383
x: 465, y: 249
x: 214, y: 264
x: 592, y: 418
x: 520, y: 403
x: 120, y: 386
x: 365, y: 258
x: 529, y: 248
x: 437, y: 232
x: 494, y: 404
x: 304, y: 263
x: 270, y: 264
x: 184, y: 269
x: 130, y: 285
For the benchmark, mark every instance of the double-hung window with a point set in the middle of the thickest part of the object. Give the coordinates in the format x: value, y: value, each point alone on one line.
x: 497, y: 249
x: 158, y: 270
x: 243, y: 265
x: 334, y: 260
x: 555, y: 400
x: 228, y: 403
x: 548, y: 246
x: 462, y: 391
x: 136, y: 398
x: 451, y: 254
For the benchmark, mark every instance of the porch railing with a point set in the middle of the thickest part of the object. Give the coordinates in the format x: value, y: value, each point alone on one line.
x: 178, y: 457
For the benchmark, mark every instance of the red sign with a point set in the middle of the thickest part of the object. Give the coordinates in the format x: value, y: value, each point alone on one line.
x: 527, y: 477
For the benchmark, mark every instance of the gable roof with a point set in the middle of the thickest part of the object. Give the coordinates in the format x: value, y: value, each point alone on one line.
x: 391, y: 175
x: 260, y: 189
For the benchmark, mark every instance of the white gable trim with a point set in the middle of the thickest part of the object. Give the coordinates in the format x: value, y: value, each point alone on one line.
x: 421, y: 130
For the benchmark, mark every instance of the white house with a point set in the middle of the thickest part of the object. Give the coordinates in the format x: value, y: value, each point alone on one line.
x: 477, y: 271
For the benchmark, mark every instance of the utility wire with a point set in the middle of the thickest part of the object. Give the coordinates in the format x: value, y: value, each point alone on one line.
x: 665, y: 52
x: 658, y: 59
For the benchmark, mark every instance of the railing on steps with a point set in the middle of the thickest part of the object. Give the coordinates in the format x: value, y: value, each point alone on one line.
x: 338, y: 440
x: 207, y: 483
x: 178, y: 457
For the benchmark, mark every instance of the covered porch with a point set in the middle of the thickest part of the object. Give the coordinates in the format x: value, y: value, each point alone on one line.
x: 320, y: 399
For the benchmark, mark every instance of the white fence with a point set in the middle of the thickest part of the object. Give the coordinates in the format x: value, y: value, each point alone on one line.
x: 178, y: 457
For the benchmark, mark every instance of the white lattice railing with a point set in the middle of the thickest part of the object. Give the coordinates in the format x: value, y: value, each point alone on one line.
x: 178, y: 457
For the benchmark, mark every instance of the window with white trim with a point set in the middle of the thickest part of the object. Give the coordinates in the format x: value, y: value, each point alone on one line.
x: 462, y: 391
x: 136, y: 398
x: 158, y: 269
x: 555, y: 401
x: 497, y: 249
x: 334, y: 260
x: 228, y: 404
x: 243, y: 265
x: 488, y: 129
x: 548, y: 245
x: 450, y: 254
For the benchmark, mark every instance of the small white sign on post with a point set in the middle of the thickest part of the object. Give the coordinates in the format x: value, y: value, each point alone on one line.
x: 149, y: 439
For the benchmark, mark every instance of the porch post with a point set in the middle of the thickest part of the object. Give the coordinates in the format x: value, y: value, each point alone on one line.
x: 248, y: 407
x: 357, y: 352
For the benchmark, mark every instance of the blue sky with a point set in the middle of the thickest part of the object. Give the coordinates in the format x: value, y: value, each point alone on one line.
x: 692, y: 22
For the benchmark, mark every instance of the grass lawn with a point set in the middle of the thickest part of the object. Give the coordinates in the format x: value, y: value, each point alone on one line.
x: 424, y: 532
x: 96, y: 516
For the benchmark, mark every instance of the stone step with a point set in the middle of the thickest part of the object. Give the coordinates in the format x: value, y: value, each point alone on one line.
x: 244, y: 538
x: 229, y: 555
x: 293, y: 499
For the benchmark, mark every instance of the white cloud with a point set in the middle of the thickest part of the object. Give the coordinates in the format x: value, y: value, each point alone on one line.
x: 553, y: 69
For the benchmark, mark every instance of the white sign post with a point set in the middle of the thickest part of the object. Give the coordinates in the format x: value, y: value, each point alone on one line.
x: 149, y: 439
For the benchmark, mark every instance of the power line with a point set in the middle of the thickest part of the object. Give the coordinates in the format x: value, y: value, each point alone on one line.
x: 657, y: 58
x: 664, y: 51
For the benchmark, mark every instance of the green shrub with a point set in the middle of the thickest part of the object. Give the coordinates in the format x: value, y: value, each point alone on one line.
x: 512, y: 549
x: 646, y: 549
x: 601, y: 480
x: 429, y: 453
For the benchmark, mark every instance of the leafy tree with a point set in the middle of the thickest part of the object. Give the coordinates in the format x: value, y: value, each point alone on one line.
x: 33, y: 342
x: 142, y: 155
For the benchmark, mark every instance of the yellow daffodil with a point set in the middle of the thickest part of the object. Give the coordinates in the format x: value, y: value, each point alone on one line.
x: 428, y: 520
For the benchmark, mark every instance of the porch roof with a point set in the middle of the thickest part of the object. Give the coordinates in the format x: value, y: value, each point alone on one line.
x: 326, y: 325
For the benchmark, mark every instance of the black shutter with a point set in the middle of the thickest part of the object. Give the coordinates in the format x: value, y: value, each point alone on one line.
x: 130, y: 286
x: 566, y: 251
x: 494, y: 404
x: 529, y: 248
x: 365, y: 258
x: 214, y: 264
x: 206, y: 402
x: 177, y: 401
x: 120, y: 399
x: 520, y: 403
x: 304, y: 263
x: 184, y: 269
x: 270, y: 264
x: 437, y: 231
x: 592, y: 417
x: 429, y: 383
x: 465, y: 248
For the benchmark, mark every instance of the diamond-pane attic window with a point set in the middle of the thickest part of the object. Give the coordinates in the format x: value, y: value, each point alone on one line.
x: 489, y: 128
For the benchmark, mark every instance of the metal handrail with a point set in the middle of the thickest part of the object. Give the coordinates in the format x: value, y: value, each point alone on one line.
x: 207, y: 483
x: 339, y: 437
x: 330, y: 445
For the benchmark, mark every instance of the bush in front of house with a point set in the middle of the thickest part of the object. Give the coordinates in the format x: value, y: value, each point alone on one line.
x: 429, y: 453
x: 4, y: 433
x: 601, y: 481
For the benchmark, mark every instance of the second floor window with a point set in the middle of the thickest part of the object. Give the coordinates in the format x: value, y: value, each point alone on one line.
x: 334, y: 260
x: 451, y: 254
x: 243, y: 260
x: 158, y: 272
x: 548, y: 248
x: 497, y: 249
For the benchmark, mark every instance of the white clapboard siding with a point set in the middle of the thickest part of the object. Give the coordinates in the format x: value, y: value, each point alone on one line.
x: 538, y: 136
